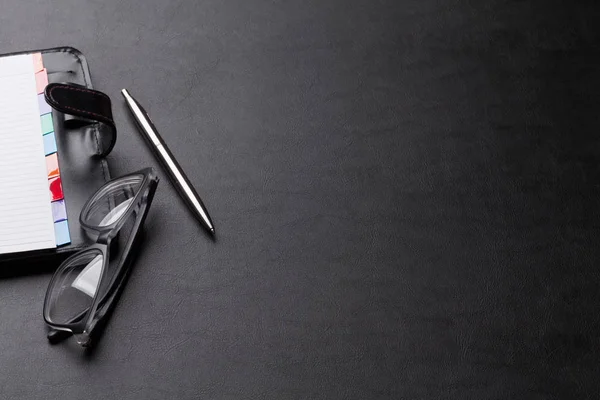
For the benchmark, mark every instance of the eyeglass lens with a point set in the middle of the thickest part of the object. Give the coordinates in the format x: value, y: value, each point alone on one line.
x: 112, y: 202
x: 74, y: 289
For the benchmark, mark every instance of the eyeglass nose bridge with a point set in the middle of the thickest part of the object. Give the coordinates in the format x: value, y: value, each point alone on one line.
x: 103, y: 238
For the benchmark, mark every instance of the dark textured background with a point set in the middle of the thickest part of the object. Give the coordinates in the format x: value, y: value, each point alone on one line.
x: 405, y: 195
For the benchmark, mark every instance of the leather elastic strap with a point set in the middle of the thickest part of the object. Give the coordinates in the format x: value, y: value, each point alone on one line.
x: 87, y: 104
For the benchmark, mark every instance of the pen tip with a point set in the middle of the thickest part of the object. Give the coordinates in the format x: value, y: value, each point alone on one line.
x: 212, y: 230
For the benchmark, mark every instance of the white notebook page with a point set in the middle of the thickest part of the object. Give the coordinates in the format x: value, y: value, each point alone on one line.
x: 26, y: 221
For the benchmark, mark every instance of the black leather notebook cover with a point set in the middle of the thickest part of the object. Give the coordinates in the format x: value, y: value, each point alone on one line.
x: 79, y: 142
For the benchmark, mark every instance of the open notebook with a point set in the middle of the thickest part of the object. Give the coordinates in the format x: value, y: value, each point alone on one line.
x: 32, y: 206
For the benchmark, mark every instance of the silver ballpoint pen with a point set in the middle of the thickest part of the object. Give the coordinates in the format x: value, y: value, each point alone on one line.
x: 160, y: 149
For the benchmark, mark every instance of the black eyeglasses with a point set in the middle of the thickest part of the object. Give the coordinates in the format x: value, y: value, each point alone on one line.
x: 85, y: 287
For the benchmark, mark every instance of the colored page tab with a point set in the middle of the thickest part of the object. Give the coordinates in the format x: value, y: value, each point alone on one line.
x: 38, y: 63
x: 52, y: 166
x: 56, y: 192
x: 41, y: 80
x: 44, y: 106
x: 61, y: 231
x: 47, y: 124
x: 49, y: 144
x: 59, y: 210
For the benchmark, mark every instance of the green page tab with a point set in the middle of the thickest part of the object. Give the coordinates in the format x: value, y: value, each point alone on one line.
x: 47, y: 125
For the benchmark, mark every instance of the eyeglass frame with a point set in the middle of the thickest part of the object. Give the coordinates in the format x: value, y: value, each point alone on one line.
x: 87, y: 320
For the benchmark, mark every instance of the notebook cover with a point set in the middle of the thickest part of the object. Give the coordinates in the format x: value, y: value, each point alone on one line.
x: 82, y: 170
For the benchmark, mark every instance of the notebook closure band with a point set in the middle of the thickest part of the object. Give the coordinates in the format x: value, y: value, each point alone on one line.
x: 87, y: 104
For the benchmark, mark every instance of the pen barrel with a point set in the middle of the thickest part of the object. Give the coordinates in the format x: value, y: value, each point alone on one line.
x: 170, y: 164
x: 183, y: 185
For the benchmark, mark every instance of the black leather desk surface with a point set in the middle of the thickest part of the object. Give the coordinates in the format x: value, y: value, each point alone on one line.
x: 405, y: 195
